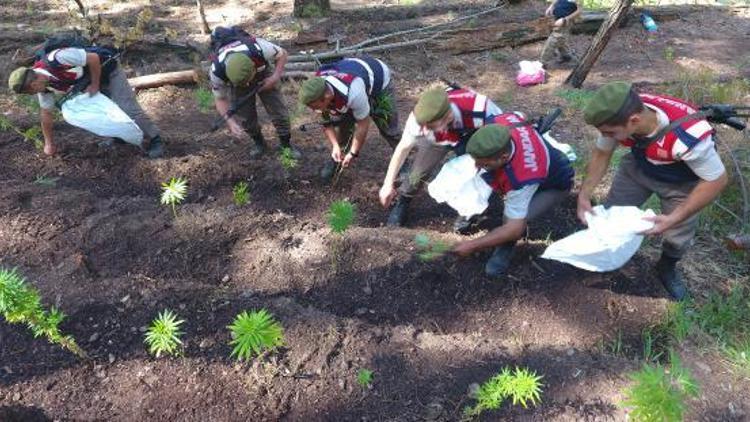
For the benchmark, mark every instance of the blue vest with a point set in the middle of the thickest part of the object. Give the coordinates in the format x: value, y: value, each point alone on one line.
x: 369, y: 69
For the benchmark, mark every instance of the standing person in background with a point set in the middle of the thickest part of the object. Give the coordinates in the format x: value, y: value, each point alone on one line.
x: 565, y: 13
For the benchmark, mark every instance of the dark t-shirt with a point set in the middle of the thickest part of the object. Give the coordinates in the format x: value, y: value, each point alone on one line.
x: 563, y: 8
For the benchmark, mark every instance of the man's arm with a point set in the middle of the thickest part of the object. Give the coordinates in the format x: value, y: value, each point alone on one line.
x: 95, y: 72
x: 512, y: 230
x: 358, y: 140
x: 330, y: 133
x: 281, y: 58
x: 702, y: 194
x: 595, y: 171
x: 47, y: 120
x: 359, y: 106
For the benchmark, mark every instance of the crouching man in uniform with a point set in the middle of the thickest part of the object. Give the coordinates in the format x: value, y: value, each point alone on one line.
x: 671, y: 155
x: 532, y: 176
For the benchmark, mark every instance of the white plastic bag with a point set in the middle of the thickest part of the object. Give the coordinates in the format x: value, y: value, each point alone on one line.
x: 564, y: 148
x: 531, y: 73
x: 101, y: 116
x: 460, y: 185
x: 610, y: 241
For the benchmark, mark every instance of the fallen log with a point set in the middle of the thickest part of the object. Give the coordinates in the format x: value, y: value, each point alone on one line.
x: 191, y: 77
x: 156, y: 80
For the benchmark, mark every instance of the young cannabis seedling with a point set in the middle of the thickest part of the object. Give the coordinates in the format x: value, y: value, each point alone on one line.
x: 20, y: 303
x: 45, y: 181
x: 174, y: 192
x: 364, y: 377
x: 163, y: 336
x: 659, y: 394
x: 30, y: 135
x: 286, y: 158
x: 253, y: 332
x: 241, y: 193
x: 341, y: 216
x: 522, y: 386
x: 205, y: 99
x: 428, y: 249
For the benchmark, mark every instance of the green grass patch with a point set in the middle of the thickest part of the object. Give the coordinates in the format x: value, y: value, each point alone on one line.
x: 702, y: 86
x: 576, y: 98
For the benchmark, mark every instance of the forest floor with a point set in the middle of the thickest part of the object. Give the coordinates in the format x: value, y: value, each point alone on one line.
x: 86, y: 228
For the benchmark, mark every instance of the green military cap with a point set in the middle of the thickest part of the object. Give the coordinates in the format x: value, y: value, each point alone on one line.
x: 311, y: 90
x: 606, y: 103
x: 240, y: 69
x: 17, y: 79
x: 488, y: 141
x: 432, y: 105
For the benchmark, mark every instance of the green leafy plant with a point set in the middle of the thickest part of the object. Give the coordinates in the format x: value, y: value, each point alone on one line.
x: 521, y: 385
x: 49, y: 182
x: 174, y: 192
x: 241, y: 193
x: 364, y: 377
x: 429, y: 249
x: 31, y: 134
x: 668, y: 54
x: 383, y: 107
x: 20, y: 303
x: 286, y: 158
x: 205, y: 99
x: 253, y: 332
x: 341, y: 216
x: 312, y: 11
x: 658, y: 394
x: 163, y: 336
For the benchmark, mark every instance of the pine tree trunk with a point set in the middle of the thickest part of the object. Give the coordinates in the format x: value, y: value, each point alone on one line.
x: 205, y: 29
x: 311, y: 8
x: 613, y: 21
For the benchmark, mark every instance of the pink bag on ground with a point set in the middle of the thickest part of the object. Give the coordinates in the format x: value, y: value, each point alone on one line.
x: 531, y: 73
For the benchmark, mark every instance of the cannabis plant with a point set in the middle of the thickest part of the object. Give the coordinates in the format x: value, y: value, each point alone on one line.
x: 241, y: 193
x: 364, y: 377
x: 205, y: 100
x: 429, y: 249
x: 20, y: 303
x: 522, y: 386
x: 253, y: 332
x: 174, y: 192
x: 383, y: 108
x: 286, y: 158
x: 163, y: 336
x: 31, y: 134
x: 341, y: 216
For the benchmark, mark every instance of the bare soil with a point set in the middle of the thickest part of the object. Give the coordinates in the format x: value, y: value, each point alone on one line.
x: 99, y: 246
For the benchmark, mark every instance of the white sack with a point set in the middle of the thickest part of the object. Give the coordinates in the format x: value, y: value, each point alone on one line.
x: 564, y: 148
x: 101, y: 116
x: 610, y: 241
x: 461, y: 186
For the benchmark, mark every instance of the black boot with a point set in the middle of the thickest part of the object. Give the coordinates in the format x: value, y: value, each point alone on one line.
x: 499, y: 262
x: 666, y: 270
x: 287, y: 143
x: 259, y: 146
x: 328, y: 170
x: 397, y: 216
x: 155, y: 147
x: 462, y: 225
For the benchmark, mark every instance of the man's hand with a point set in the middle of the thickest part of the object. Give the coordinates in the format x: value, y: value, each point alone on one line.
x: 236, y: 130
x: 269, y: 83
x: 387, y: 193
x: 560, y: 23
x: 92, y: 89
x: 336, y: 154
x: 348, y: 159
x: 584, y: 206
x: 548, y: 12
x: 463, y: 249
x: 661, y: 222
x: 50, y: 148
